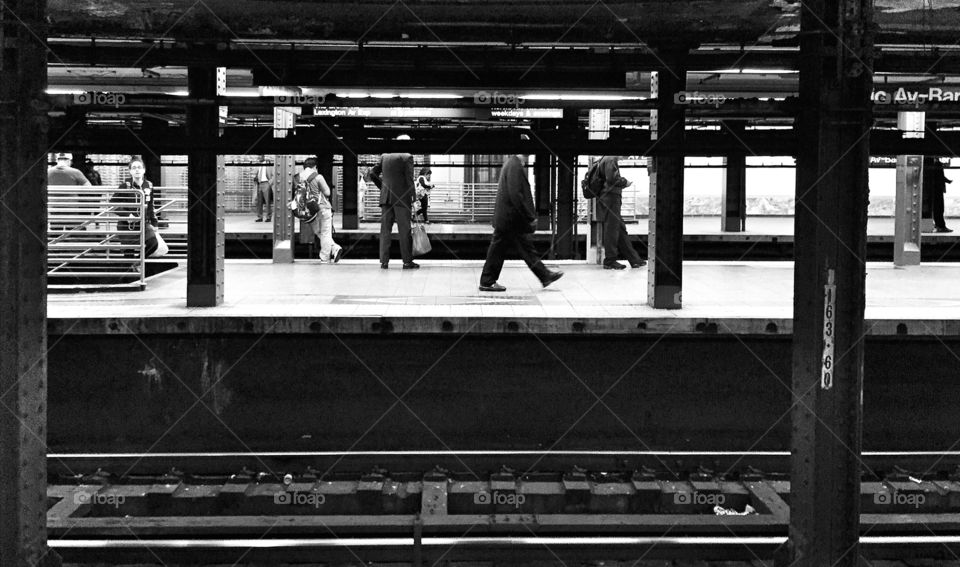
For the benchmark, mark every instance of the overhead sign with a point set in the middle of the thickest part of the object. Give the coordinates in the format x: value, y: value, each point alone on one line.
x: 916, y: 95
x: 526, y: 113
x: 396, y: 112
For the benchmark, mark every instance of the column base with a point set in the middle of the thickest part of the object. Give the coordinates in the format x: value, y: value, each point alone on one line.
x: 664, y: 296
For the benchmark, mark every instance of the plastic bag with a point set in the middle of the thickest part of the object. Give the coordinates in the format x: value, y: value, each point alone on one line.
x: 421, y: 242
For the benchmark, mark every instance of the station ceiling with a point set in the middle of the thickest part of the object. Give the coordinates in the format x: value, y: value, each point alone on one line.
x: 737, y: 49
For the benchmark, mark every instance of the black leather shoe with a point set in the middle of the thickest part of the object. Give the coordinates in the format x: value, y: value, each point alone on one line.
x: 552, y: 277
x: 338, y: 255
x: 258, y: 220
x: 493, y: 287
x: 411, y: 266
x: 942, y: 229
x: 383, y: 266
x: 639, y: 264
x: 613, y: 266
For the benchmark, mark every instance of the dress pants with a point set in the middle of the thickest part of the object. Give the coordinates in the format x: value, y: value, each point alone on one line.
x: 401, y: 215
x: 615, y: 239
x: 938, y: 207
x: 502, y: 241
x: 264, y: 197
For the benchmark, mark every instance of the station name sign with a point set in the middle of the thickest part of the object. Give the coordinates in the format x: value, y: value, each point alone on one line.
x: 915, y: 96
x: 427, y: 112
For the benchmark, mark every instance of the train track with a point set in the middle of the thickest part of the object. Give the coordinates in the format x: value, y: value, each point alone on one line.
x: 419, y: 506
x: 205, y: 463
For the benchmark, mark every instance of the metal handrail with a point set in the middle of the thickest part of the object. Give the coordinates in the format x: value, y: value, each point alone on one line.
x: 92, y: 239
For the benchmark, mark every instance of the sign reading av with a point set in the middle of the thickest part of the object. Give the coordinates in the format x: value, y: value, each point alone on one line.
x: 914, y: 96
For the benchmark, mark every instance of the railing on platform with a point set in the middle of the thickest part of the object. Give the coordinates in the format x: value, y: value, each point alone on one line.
x: 93, y: 242
x: 170, y: 205
x: 449, y: 202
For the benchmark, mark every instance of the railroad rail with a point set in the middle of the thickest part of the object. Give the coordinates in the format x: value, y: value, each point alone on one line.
x: 292, y: 506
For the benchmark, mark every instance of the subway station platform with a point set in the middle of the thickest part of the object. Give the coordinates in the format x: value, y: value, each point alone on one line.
x: 356, y: 296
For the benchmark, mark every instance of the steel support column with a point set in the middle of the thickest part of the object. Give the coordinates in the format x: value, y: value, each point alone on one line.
x: 564, y: 245
x: 831, y: 229
x: 734, y: 198
x: 23, y: 285
x: 205, y: 236
x: 566, y: 208
x: 665, y: 243
x: 541, y: 189
x: 351, y: 168
x: 325, y: 167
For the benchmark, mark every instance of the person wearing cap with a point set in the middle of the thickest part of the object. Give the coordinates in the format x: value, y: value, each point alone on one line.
x: 394, y: 176
x: 63, y: 174
x: 514, y: 220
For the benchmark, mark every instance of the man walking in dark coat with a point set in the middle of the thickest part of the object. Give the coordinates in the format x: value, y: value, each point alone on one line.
x: 615, y: 239
x: 394, y: 176
x: 514, y: 219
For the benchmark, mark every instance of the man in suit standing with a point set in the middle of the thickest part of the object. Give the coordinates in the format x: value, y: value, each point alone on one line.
x: 394, y: 176
x: 514, y: 220
x: 263, y: 190
x: 935, y: 183
x: 615, y: 239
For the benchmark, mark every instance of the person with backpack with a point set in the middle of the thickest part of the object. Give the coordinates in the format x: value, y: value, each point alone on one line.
x: 609, y: 201
x: 313, y: 200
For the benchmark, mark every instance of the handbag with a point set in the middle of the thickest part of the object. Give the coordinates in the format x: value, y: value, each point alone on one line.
x: 421, y: 242
x: 157, y: 247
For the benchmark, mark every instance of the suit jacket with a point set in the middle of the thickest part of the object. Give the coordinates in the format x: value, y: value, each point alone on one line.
x: 513, y: 211
x: 933, y: 178
x: 394, y: 176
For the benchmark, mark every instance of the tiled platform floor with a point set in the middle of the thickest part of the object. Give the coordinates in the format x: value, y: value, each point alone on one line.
x: 735, y: 296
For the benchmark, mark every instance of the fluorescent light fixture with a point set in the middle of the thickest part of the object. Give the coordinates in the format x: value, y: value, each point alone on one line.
x: 586, y: 97
x: 430, y: 95
x: 56, y: 91
x: 353, y: 95
x: 180, y: 93
x: 279, y: 91
x: 750, y: 71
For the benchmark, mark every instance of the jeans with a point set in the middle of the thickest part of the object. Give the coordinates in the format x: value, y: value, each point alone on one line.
x: 322, y: 227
